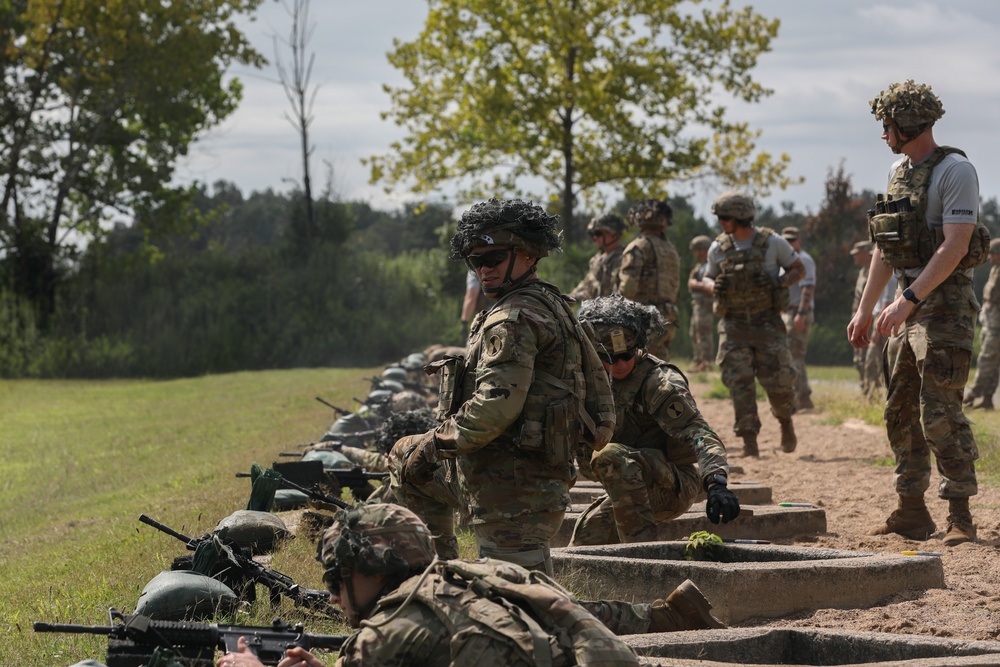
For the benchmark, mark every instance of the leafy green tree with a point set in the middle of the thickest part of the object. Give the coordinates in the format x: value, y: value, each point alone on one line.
x: 100, y: 99
x: 577, y: 94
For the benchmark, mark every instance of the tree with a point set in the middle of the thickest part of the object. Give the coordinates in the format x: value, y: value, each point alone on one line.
x: 295, y: 83
x: 99, y: 100
x: 577, y: 94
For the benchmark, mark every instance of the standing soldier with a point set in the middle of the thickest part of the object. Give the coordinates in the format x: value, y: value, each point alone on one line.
x: 749, y: 298
x: 511, y: 405
x: 663, y: 452
x: 651, y: 268
x: 988, y: 362
x: 799, y: 317
x: 702, y: 321
x: 926, y: 230
x: 602, y: 278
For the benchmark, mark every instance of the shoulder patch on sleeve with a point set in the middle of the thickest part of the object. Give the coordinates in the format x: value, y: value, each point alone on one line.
x: 502, y: 314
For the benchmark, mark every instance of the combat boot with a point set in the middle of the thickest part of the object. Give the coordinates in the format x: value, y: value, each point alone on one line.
x: 960, y: 526
x: 911, y: 520
x: 686, y: 608
x: 750, y: 445
x: 806, y: 403
x: 970, y: 398
x: 987, y: 404
x: 788, y: 439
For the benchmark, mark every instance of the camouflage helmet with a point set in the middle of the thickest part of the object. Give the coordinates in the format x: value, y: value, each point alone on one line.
x: 350, y: 423
x: 375, y: 539
x: 700, y: 242
x: 393, y: 386
x: 651, y: 213
x: 734, y: 204
x: 911, y: 106
x: 621, y: 324
x: 609, y: 222
x: 401, y: 424
x: 407, y: 400
x: 506, y: 222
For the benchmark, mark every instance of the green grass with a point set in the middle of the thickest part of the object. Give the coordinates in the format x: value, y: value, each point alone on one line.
x: 82, y: 460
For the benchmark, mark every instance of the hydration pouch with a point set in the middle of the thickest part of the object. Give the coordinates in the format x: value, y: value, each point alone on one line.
x: 979, y: 248
x: 451, y: 369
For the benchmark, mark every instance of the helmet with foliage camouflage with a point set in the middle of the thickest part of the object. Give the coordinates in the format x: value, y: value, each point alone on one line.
x: 700, y: 242
x: 401, y: 424
x: 506, y: 222
x: 375, y: 539
x: 651, y: 213
x: 621, y: 324
x: 609, y: 222
x: 734, y: 204
x: 911, y: 106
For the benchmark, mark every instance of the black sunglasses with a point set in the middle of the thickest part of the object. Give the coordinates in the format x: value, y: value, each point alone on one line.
x: 596, y: 234
x: 488, y: 259
x: 332, y: 580
x: 612, y: 359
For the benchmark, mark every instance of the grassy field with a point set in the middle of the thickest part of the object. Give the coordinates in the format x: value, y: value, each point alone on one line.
x: 82, y: 461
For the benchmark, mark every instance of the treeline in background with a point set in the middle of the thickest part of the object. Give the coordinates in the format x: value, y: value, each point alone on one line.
x: 243, y: 284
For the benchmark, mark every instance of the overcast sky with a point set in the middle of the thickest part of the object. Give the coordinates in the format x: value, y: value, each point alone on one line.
x: 828, y: 60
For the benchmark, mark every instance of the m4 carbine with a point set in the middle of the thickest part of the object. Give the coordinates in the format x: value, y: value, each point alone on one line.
x: 133, y: 639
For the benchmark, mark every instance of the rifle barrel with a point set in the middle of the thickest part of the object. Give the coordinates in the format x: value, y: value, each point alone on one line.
x: 40, y: 626
x: 166, y: 529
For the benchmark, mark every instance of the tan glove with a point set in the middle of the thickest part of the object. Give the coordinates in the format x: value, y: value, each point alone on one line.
x: 414, y: 457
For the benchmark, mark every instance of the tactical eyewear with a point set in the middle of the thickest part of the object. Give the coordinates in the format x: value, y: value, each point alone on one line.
x: 612, y: 359
x: 488, y: 259
x: 332, y: 580
x: 596, y: 234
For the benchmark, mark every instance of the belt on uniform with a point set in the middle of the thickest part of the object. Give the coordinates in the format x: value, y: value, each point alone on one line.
x: 959, y: 279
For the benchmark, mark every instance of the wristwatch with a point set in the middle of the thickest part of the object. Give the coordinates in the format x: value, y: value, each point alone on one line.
x: 716, y: 479
x: 910, y: 296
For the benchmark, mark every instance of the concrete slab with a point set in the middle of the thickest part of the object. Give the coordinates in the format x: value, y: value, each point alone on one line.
x: 748, y: 493
x: 769, y: 522
x: 802, y: 647
x: 756, y: 581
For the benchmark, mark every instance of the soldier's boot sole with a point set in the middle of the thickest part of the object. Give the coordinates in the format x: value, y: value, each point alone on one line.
x: 686, y: 608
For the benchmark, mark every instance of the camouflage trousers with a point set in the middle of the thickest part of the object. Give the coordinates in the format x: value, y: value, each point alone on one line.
x: 923, y: 409
x: 622, y: 618
x: 798, y: 345
x: 643, y: 490
x: 660, y: 347
x: 702, y: 333
x: 756, y: 349
x: 987, y: 363
x: 522, y: 540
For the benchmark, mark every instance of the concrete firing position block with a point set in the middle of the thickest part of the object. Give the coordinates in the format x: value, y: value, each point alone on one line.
x: 748, y: 493
x: 767, y: 580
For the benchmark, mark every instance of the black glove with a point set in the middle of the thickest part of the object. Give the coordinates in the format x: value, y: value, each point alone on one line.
x: 762, y: 279
x: 721, y: 283
x: 722, y: 504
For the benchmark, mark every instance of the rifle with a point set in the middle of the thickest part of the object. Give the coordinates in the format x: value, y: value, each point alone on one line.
x: 277, y: 583
x: 333, y: 442
x: 133, y: 639
x: 340, y: 411
x: 313, y: 492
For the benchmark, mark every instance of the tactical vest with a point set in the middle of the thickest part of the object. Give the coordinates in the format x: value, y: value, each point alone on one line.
x: 659, y: 279
x: 743, y: 295
x: 476, y: 600
x: 569, y: 399
x: 898, y: 225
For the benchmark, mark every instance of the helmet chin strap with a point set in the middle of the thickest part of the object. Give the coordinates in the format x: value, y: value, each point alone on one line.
x: 508, y: 281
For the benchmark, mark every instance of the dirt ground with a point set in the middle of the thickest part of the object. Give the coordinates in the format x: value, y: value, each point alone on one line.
x: 833, y: 468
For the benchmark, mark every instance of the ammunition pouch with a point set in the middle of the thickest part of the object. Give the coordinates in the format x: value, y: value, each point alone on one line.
x: 451, y: 370
x: 549, y: 430
x: 899, y: 239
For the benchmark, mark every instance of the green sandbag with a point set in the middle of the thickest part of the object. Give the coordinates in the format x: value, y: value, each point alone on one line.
x: 289, y: 499
x: 331, y: 460
x: 260, y: 532
x: 185, y: 595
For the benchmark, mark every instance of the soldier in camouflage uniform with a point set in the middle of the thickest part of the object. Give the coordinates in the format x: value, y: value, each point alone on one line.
x: 745, y: 261
x: 702, y: 322
x: 651, y: 268
x: 799, y: 318
x: 510, y: 405
x: 929, y: 235
x: 988, y: 362
x: 868, y: 360
x: 602, y: 278
x: 419, y: 611
x: 663, y: 452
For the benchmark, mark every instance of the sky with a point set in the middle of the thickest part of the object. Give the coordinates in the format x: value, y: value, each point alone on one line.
x: 828, y: 61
